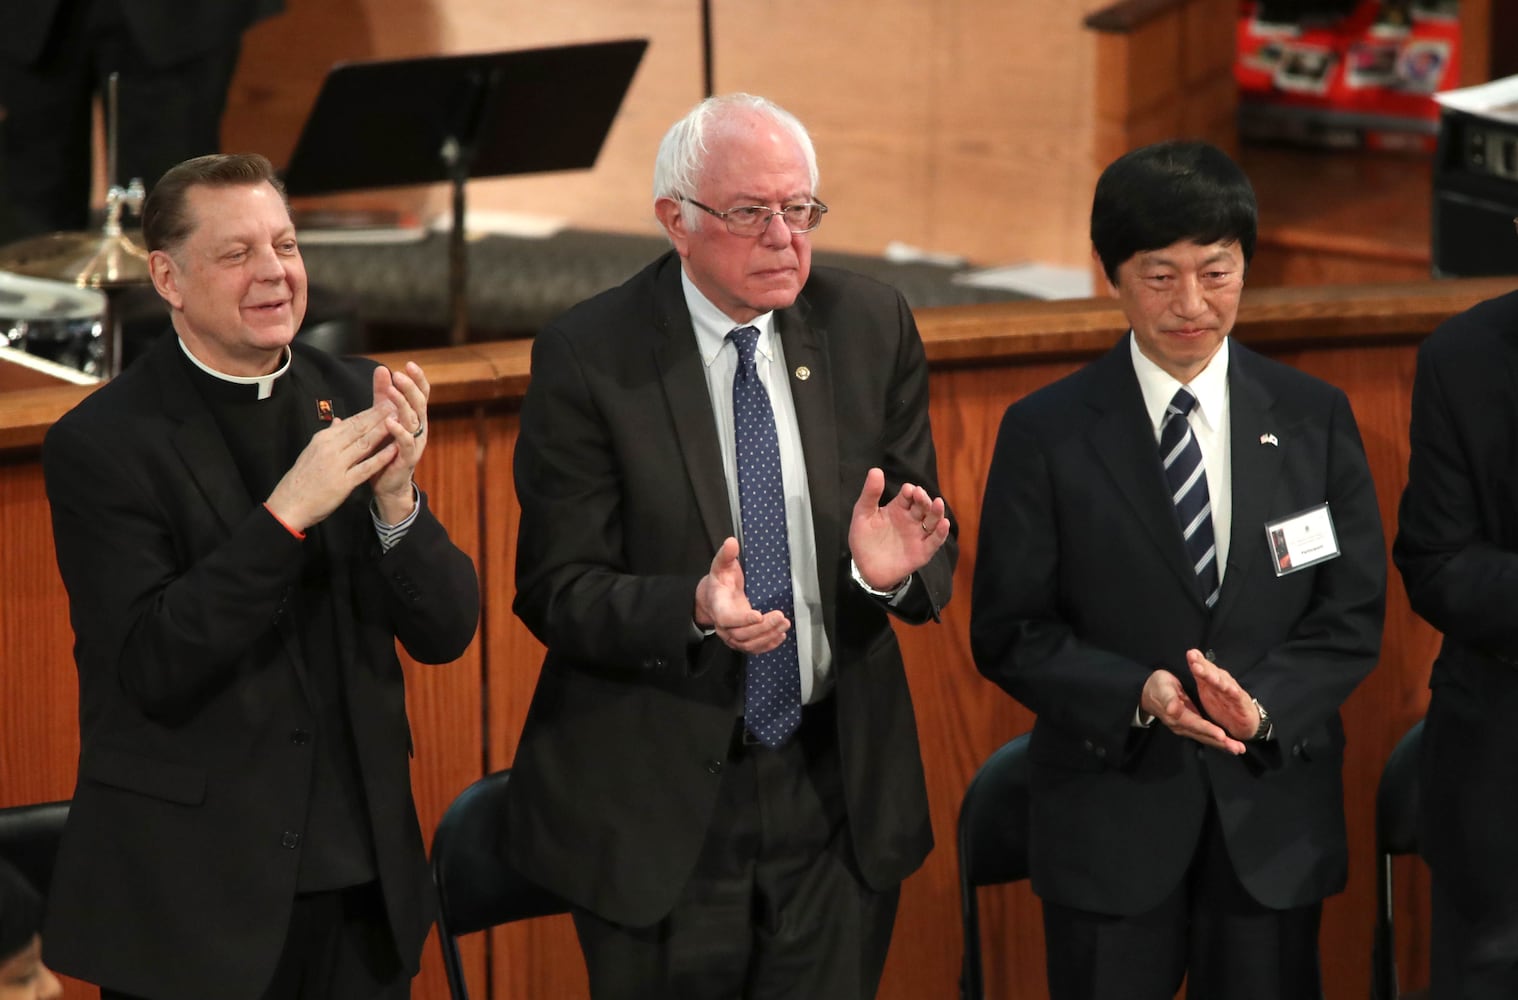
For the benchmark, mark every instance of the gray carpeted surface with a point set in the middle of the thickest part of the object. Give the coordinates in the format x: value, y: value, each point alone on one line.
x: 517, y: 284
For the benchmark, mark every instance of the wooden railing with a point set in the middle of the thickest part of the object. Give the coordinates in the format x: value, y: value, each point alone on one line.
x: 467, y: 716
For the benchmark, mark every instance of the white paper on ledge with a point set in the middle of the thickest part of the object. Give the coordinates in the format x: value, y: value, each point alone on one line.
x: 1041, y: 281
x: 485, y: 222
x: 1497, y: 100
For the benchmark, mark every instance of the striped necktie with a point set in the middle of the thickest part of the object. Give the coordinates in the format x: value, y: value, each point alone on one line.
x: 1184, y: 471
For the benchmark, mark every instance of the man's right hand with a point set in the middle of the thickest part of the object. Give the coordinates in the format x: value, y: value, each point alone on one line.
x: 722, y: 604
x: 336, y: 461
x: 1165, y: 699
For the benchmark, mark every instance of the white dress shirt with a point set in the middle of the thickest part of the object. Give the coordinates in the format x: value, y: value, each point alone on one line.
x: 720, y: 356
x: 1209, y: 422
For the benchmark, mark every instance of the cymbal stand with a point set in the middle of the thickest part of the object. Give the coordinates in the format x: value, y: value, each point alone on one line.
x: 117, y: 198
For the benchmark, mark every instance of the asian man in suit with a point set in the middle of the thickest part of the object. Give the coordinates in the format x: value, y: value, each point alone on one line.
x: 243, y: 545
x: 1187, y: 814
x: 727, y: 480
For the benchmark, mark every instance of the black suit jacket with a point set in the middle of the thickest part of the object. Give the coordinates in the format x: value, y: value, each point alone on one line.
x: 624, y: 503
x: 178, y: 866
x: 1457, y: 550
x: 1083, y: 588
x: 167, y: 31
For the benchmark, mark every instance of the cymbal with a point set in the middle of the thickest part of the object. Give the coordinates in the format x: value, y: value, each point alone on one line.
x: 89, y: 260
x: 42, y: 299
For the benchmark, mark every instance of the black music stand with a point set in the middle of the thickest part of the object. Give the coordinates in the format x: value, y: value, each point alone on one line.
x: 450, y: 118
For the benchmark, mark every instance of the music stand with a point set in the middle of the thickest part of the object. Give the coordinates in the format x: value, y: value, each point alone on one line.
x: 450, y: 118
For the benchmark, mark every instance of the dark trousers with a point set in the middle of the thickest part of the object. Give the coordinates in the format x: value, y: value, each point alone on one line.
x: 1472, y: 957
x: 775, y: 909
x: 167, y: 114
x: 339, y: 945
x: 1210, y: 931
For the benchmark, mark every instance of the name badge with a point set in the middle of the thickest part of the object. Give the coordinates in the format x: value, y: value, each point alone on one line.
x: 1303, y: 539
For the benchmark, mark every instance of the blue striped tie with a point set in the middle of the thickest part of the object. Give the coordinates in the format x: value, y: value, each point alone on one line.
x: 1182, y: 458
x: 771, y: 681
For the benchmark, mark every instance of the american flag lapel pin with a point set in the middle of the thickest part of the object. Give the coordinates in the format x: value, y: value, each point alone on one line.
x: 1270, y: 439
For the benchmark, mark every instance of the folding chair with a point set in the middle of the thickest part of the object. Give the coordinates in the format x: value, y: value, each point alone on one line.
x: 476, y: 888
x: 993, y: 844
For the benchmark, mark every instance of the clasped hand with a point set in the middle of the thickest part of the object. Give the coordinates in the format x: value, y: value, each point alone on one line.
x: 379, y: 446
x: 1222, y: 698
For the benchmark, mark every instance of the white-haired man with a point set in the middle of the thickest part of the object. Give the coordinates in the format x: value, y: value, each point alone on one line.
x: 720, y: 768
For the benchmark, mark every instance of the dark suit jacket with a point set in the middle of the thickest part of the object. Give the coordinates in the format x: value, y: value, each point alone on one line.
x: 619, y: 472
x: 1457, y: 549
x: 167, y: 31
x: 1083, y: 588
x: 178, y: 865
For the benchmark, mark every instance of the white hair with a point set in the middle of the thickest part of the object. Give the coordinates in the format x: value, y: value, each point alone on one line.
x: 682, y: 153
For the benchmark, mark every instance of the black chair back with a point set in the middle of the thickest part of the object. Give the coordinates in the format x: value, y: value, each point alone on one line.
x: 476, y: 887
x: 1396, y: 833
x: 29, y: 837
x: 993, y: 844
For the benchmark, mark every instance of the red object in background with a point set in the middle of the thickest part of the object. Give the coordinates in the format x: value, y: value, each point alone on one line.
x: 1366, y: 80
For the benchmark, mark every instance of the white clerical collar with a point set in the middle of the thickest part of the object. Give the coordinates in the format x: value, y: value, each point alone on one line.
x: 712, y: 325
x: 265, y: 383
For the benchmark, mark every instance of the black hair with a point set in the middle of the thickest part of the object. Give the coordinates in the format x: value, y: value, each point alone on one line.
x: 1171, y: 192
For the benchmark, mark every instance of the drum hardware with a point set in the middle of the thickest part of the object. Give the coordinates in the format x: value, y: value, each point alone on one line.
x: 54, y: 320
x: 108, y: 260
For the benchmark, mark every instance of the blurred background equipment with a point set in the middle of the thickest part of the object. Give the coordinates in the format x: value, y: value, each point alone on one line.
x: 1476, y: 181
x: 55, y: 320
x: 175, y: 61
x: 490, y: 115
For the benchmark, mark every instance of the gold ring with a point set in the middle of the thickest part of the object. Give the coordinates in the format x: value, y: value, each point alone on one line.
x: 925, y: 529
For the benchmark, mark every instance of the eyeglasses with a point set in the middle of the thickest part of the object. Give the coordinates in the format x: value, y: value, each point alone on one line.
x: 754, y: 220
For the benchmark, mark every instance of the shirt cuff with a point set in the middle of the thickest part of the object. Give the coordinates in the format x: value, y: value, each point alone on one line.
x: 1142, y: 719
x: 391, y: 534
x: 891, y: 597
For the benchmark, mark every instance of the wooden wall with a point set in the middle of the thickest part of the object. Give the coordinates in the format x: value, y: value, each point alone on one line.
x: 467, y: 716
x: 1164, y: 71
x: 955, y: 125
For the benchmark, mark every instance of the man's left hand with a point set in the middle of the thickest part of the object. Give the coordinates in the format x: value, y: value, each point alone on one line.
x: 1224, y: 701
x: 892, y: 542
x: 407, y: 392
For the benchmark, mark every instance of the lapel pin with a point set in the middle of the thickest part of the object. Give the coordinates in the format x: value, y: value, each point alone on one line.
x: 324, y: 410
x: 1269, y: 439
x: 803, y: 372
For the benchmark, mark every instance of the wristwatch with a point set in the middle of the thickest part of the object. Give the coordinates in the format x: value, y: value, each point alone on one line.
x: 1266, y: 728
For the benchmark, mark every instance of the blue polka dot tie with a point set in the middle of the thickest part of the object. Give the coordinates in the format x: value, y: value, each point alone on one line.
x: 771, y: 681
x: 1184, y: 471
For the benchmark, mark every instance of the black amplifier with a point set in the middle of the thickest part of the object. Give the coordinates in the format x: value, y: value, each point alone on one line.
x: 1476, y: 194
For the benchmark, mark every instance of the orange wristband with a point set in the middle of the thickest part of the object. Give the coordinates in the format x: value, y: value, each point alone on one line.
x: 298, y: 534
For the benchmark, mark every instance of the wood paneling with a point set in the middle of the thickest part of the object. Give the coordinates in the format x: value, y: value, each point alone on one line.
x: 964, y: 126
x: 466, y: 716
x: 444, y: 702
x: 1164, y: 70
x: 1477, y: 41
x: 1361, y: 217
x: 954, y: 125
x: 540, y: 958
